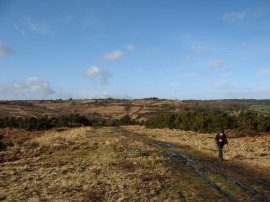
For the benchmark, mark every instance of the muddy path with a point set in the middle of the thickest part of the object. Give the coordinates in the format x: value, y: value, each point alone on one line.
x: 228, y: 186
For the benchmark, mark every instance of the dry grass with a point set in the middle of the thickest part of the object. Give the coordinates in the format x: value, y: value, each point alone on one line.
x: 96, y: 164
x: 246, y: 158
x: 253, y: 151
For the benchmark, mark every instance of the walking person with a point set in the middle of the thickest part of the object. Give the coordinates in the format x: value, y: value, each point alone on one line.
x: 221, y: 140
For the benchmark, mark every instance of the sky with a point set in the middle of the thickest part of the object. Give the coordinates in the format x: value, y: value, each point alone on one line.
x: 173, y: 49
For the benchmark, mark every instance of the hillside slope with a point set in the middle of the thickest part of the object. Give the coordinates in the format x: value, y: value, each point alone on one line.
x: 138, y: 109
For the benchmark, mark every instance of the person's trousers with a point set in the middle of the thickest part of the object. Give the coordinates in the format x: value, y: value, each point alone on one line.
x: 220, y: 154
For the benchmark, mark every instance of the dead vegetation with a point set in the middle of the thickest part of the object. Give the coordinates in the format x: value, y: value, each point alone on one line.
x: 253, y: 151
x: 127, y: 164
x: 94, y: 164
x: 246, y: 158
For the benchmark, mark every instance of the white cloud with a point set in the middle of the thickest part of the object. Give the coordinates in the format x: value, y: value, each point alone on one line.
x: 216, y: 63
x: 233, y: 17
x: 117, y: 54
x: 34, y: 86
x: 114, y: 55
x: 94, y: 72
x: 29, y: 88
x: 4, y: 50
x: 130, y: 47
x: 264, y: 72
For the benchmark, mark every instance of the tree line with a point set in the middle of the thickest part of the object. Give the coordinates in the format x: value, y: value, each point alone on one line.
x: 211, y: 121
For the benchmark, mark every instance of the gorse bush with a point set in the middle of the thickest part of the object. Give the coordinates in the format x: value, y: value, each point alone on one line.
x: 253, y: 121
x: 73, y: 120
x: 201, y: 121
x: 44, y: 123
x: 196, y: 121
x: 211, y: 121
x: 2, y: 145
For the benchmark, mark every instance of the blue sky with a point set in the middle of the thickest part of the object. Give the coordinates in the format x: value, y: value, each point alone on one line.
x: 175, y: 49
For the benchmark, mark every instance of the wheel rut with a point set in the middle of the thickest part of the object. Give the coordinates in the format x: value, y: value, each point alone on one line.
x: 197, y: 166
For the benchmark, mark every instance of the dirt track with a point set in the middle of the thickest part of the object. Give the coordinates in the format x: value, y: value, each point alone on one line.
x: 214, y: 177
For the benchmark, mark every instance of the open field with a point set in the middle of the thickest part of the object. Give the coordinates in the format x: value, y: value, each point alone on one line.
x: 131, y: 163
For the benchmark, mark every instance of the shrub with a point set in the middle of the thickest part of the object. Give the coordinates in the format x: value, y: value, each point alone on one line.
x: 44, y: 123
x: 73, y: 120
x: 2, y: 145
x: 211, y: 121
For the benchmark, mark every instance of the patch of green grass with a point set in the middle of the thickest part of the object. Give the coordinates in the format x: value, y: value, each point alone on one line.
x: 230, y: 187
x: 259, y: 108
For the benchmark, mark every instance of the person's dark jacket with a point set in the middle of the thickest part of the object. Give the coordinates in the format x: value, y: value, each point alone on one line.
x: 223, y: 138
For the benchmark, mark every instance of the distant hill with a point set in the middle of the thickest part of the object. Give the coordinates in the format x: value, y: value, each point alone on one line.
x: 137, y: 109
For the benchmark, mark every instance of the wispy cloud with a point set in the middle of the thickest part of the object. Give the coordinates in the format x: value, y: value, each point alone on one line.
x: 114, y: 55
x: 4, y: 50
x: 130, y: 47
x: 76, y: 22
x: 102, y: 75
x: 91, y: 22
x: 39, y: 27
x: 196, y: 51
x: 248, y: 92
x: 83, y: 21
x: 27, y: 25
x: 233, y: 17
x: 195, y: 74
x: 19, y: 28
x: 217, y: 63
x: 118, y: 54
x: 2, y: 90
x: 264, y: 72
x: 230, y: 89
x: 106, y: 94
x: 28, y: 88
x: 200, y: 49
x: 63, y: 94
x: 223, y: 84
x: 174, y: 84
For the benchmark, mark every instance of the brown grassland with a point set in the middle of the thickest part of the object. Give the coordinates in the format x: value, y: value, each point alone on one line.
x: 138, y: 109
x: 106, y: 108
x: 128, y: 164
